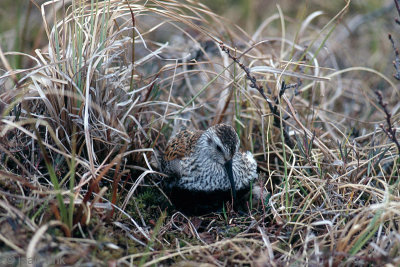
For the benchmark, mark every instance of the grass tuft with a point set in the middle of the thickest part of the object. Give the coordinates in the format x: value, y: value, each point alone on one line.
x: 85, y: 105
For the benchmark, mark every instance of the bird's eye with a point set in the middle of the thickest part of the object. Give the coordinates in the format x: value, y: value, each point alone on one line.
x: 219, y: 148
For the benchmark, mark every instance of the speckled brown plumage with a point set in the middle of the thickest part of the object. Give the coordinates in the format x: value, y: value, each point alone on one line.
x: 181, y: 145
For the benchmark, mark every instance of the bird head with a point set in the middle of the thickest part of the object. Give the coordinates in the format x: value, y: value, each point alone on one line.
x: 223, y: 142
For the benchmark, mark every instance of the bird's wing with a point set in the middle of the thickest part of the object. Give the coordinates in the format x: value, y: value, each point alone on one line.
x: 181, y: 145
x: 178, y: 147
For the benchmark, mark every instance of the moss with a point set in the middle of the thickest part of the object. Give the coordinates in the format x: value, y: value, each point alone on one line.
x: 150, y: 203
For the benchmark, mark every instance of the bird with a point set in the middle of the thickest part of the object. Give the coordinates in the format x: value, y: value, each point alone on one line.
x: 204, y: 169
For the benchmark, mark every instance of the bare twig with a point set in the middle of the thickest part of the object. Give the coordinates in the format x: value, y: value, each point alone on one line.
x: 396, y: 2
x: 273, y: 105
x: 252, y: 79
x: 390, y: 131
x: 396, y: 62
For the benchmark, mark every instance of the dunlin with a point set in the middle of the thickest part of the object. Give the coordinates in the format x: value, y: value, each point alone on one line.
x: 205, y: 168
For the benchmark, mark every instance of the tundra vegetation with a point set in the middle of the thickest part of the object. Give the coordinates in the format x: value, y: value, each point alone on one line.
x: 89, y: 89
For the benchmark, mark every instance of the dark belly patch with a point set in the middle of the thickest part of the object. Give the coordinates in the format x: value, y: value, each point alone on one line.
x: 201, y: 202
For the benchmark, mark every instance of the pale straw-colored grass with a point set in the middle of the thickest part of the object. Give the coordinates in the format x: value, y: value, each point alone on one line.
x: 79, y: 128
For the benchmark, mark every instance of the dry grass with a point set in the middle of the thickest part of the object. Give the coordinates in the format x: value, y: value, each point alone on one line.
x: 78, y: 130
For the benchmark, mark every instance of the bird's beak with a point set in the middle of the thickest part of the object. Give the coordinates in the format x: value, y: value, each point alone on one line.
x: 228, y: 167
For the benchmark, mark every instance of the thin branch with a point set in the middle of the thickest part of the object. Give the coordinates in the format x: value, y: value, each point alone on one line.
x: 396, y: 62
x: 396, y: 2
x: 390, y: 131
x: 273, y: 105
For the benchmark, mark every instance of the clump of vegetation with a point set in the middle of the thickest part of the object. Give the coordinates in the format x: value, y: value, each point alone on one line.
x: 80, y: 122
